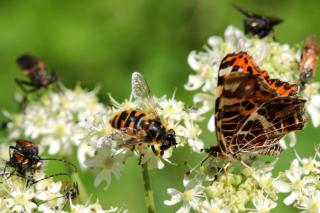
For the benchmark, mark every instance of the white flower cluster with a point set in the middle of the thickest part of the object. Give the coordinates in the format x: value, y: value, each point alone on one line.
x: 280, y: 60
x: 52, y: 121
x: 216, y: 190
x: 302, y: 181
x: 44, y: 196
x: 110, y: 158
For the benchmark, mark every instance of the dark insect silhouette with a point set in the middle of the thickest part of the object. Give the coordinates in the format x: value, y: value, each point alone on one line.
x: 257, y: 24
x: 35, y: 70
x: 25, y: 161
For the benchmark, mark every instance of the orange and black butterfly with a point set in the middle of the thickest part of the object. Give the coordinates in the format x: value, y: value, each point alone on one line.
x: 309, y: 60
x: 252, y: 111
x: 143, y: 125
x: 35, y: 70
x: 257, y: 24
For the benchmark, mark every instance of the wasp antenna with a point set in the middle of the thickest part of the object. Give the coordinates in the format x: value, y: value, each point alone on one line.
x: 243, y: 11
x: 275, y: 20
x: 50, y: 176
x: 61, y: 160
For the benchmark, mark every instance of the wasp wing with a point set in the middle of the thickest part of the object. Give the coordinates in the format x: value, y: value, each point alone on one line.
x: 142, y: 94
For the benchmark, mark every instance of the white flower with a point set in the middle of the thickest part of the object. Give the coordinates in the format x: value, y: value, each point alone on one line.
x: 214, y: 206
x: 192, y: 133
x: 20, y: 200
x: 311, y: 204
x: 190, y: 198
x: 110, y: 163
x: 311, y: 93
x: 51, y: 196
x: 263, y: 204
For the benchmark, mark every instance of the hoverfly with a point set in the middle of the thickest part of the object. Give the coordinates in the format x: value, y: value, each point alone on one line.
x: 35, y: 70
x: 309, y: 60
x: 143, y: 125
x: 257, y: 24
x: 25, y: 161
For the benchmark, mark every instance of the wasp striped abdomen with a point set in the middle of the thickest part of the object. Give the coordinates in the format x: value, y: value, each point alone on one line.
x: 128, y: 121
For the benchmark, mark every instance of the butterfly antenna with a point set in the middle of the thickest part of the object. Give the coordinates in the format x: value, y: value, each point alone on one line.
x: 197, y: 165
x: 61, y: 160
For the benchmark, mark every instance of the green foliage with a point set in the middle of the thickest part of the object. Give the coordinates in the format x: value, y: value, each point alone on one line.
x: 102, y: 42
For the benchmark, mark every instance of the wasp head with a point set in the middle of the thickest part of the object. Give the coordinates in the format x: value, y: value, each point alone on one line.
x: 169, y: 140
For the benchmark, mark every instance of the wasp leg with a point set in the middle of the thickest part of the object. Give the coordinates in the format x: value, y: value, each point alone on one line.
x: 140, y: 159
x: 54, y: 78
x: 23, y: 83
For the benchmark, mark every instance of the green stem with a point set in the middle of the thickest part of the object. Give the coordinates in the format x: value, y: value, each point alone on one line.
x: 83, y: 195
x: 148, y: 193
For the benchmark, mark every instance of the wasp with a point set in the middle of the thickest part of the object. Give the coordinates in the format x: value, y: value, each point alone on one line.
x: 309, y: 60
x: 35, y: 70
x: 257, y: 24
x: 25, y: 161
x: 143, y: 125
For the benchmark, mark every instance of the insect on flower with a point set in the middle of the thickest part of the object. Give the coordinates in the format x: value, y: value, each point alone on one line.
x: 257, y: 24
x: 143, y: 125
x: 35, y: 70
x: 252, y: 111
x: 309, y: 60
x: 25, y: 161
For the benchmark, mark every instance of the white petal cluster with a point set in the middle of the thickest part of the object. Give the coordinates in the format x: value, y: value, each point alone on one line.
x: 215, y: 190
x: 301, y: 182
x: 280, y: 60
x: 103, y: 140
x: 52, y: 121
x: 94, y: 208
x: 45, y: 196
x: 312, y: 95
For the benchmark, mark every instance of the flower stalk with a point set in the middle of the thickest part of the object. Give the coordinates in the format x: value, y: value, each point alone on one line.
x: 148, y: 193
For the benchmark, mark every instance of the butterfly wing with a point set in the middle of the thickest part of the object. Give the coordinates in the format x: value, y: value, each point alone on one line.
x: 243, y: 89
x: 262, y: 130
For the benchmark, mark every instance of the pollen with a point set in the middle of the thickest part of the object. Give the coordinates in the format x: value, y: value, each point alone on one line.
x: 21, y: 199
x: 108, y: 163
x: 188, y: 195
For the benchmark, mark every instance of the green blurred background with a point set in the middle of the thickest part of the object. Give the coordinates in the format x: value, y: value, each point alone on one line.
x: 102, y: 42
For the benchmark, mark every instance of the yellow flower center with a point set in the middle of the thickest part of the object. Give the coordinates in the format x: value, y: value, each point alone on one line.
x: 263, y: 210
x: 21, y: 199
x: 308, y: 165
x: 214, y: 210
x: 188, y: 195
x: 313, y: 207
x: 108, y: 163
x: 60, y: 129
x: 297, y: 185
